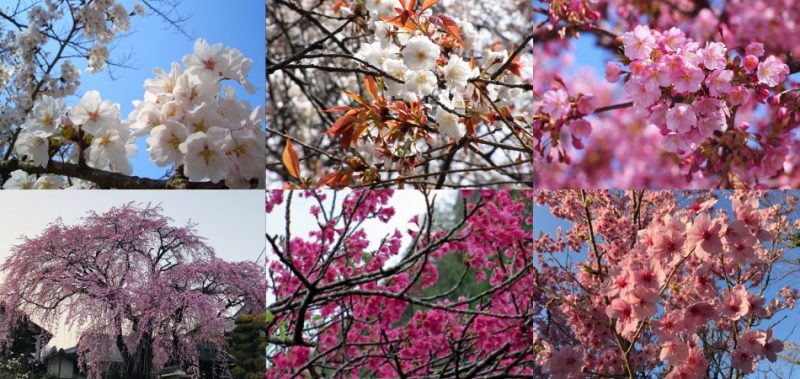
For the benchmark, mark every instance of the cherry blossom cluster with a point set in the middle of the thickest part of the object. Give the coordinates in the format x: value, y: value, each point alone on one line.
x: 724, y: 70
x: 562, y: 116
x: 702, y: 83
x: 688, y: 90
x: 191, y: 124
x: 348, y: 298
x: 416, y: 62
x: 662, y: 284
x: 22, y: 75
x: 91, y: 131
x: 437, y: 77
x: 619, y: 152
x: 772, y: 22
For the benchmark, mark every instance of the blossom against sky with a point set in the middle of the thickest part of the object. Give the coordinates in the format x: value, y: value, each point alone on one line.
x: 151, y: 43
x: 784, y: 326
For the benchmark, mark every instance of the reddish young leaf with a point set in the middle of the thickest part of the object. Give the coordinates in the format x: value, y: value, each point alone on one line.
x: 342, y: 122
x: 338, y: 5
x: 515, y: 67
x: 451, y: 27
x: 372, y: 87
x: 334, y: 180
x: 291, y: 160
x: 428, y: 3
x: 341, y: 108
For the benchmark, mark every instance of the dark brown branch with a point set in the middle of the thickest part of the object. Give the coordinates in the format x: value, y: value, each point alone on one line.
x: 104, y: 179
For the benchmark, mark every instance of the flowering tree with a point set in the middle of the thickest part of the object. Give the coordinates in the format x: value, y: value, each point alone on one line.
x: 130, y: 279
x: 661, y: 284
x: 344, y: 309
x: 383, y: 93
x: 202, y: 133
x: 704, y: 90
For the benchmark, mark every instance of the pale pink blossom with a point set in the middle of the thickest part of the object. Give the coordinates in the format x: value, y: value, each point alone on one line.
x: 681, y: 118
x: 719, y: 82
x: 704, y: 235
x: 639, y: 43
x: 772, y: 71
x: 555, y: 103
x: 714, y: 56
x: 687, y: 77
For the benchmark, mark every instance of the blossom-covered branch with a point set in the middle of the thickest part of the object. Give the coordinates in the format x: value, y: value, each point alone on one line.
x: 400, y: 93
x: 195, y: 129
x: 667, y: 284
x: 713, y: 101
x: 341, y: 306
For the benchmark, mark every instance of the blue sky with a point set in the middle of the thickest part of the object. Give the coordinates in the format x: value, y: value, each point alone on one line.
x: 236, y: 24
x: 545, y: 222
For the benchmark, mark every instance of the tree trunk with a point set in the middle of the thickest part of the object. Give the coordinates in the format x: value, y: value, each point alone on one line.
x: 139, y: 364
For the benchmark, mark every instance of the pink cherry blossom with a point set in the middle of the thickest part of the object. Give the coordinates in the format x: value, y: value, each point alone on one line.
x: 772, y: 71
x: 674, y: 352
x: 743, y: 360
x: 681, y: 118
x: 580, y: 128
x: 704, y: 235
x: 363, y: 303
x: 637, y: 298
x: 719, y: 82
x: 555, y: 102
x: 565, y: 364
x: 714, y: 56
x: 735, y: 304
x: 687, y: 77
x: 755, y: 48
x: 672, y: 60
x: 772, y: 347
x: 639, y: 42
x: 129, y: 274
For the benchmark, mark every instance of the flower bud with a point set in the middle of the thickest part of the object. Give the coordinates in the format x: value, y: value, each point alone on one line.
x: 750, y: 63
x: 612, y: 72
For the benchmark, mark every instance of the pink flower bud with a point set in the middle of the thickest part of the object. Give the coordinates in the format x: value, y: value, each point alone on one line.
x: 762, y: 94
x: 750, y: 63
x: 580, y: 128
x: 587, y: 104
x: 612, y: 72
